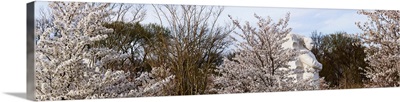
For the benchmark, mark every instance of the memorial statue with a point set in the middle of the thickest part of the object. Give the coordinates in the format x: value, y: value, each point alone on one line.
x: 305, y: 66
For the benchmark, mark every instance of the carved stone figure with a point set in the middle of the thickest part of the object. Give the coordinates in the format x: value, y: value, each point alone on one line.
x: 305, y: 66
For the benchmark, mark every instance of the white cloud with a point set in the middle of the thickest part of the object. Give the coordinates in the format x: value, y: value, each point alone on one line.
x: 345, y: 22
x: 302, y: 20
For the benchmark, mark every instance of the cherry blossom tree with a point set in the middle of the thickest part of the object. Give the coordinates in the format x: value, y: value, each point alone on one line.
x: 67, y: 67
x: 381, y: 35
x: 261, y: 63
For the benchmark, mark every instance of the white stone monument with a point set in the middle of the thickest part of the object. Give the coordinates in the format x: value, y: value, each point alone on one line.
x: 305, y: 66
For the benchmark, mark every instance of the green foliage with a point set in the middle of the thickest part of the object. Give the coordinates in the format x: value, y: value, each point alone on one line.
x: 342, y: 57
x: 135, y: 40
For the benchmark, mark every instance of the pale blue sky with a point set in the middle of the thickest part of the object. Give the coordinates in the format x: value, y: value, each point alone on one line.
x: 302, y: 21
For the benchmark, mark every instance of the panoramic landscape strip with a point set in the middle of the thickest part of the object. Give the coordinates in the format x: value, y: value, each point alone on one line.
x: 93, y: 50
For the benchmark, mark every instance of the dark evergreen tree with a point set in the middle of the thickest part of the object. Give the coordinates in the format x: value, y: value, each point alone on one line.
x: 341, y: 57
